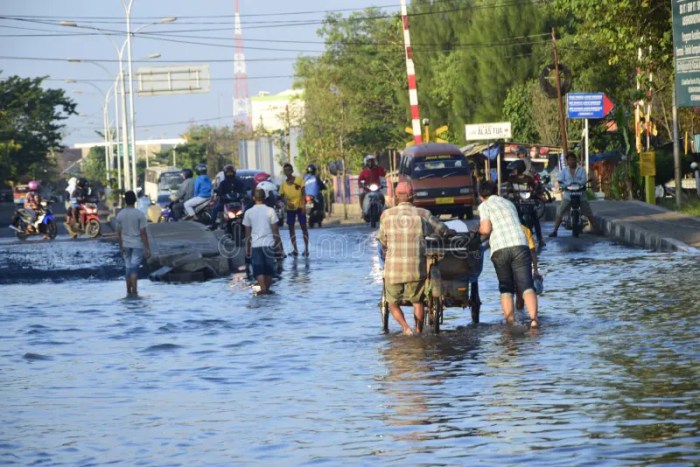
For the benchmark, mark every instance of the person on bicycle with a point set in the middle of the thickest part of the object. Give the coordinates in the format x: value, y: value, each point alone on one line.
x: 402, y: 231
x: 573, y: 173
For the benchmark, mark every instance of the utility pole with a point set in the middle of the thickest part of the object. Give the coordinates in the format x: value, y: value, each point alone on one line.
x: 562, y: 120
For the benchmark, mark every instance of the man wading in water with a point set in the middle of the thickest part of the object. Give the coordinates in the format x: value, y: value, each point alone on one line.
x: 133, y: 241
x: 402, y: 231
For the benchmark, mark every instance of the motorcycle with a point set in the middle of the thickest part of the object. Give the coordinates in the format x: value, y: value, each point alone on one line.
x: 314, y: 211
x: 233, y: 221
x: 44, y: 223
x: 202, y: 212
x: 541, y: 188
x: 527, y: 204
x: 575, y: 220
x: 87, y: 222
x: 170, y: 213
x: 276, y: 202
x: 373, y: 204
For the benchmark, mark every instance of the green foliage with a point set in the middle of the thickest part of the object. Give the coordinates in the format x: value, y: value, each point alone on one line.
x: 30, y: 126
x: 354, y: 93
x: 517, y: 109
x: 93, y: 167
x: 627, y: 184
x: 215, y: 146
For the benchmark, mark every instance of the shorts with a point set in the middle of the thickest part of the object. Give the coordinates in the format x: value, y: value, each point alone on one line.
x: 132, y: 260
x: 412, y: 292
x: 262, y: 260
x: 513, y: 268
x: 292, y: 215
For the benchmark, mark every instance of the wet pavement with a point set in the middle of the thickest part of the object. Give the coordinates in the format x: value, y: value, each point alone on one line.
x: 207, y: 373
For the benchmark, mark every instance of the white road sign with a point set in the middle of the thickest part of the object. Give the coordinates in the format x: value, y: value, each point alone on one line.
x: 482, y: 131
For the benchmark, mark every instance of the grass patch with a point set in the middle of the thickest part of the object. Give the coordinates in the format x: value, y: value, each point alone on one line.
x: 689, y: 205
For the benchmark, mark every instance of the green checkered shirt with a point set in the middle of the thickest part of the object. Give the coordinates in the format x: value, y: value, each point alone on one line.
x: 402, y: 232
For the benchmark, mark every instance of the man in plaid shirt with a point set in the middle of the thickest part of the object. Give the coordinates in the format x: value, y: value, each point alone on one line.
x: 509, y: 251
x: 402, y: 231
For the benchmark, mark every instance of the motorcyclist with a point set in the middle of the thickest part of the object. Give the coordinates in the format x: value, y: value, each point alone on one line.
x: 30, y: 208
x: 523, y: 156
x: 372, y: 173
x: 314, y: 186
x: 573, y: 173
x: 83, y: 194
x: 231, y: 188
x: 202, y: 190
x: 520, y: 180
x: 184, y: 194
x: 263, y: 181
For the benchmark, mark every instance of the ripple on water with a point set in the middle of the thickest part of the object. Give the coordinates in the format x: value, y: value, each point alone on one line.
x: 306, y: 376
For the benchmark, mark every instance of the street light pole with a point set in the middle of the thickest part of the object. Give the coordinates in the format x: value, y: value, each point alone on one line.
x: 132, y: 113
x: 129, y: 178
x: 109, y: 150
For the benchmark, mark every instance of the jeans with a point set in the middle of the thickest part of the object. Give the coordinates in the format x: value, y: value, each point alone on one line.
x: 132, y: 260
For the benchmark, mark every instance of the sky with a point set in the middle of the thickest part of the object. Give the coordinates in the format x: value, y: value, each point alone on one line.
x: 275, y: 33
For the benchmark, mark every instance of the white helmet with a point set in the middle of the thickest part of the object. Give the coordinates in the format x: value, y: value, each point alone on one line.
x: 369, y: 157
x: 72, y: 181
x: 267, y: 186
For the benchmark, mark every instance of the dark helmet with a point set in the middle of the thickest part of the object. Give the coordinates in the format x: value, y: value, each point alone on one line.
x: 311, y: 169
x: 186, y: 173
x: 517, y: 166
x: 83, y: 182
x: 201, y: 168
x: 229, y: 168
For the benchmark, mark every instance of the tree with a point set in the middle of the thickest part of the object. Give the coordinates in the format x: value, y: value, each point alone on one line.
x: 30, y: 126
x: 355, y: 92
x: 93, y: 167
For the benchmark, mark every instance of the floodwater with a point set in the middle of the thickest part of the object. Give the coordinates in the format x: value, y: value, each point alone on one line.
x: 208, y: 374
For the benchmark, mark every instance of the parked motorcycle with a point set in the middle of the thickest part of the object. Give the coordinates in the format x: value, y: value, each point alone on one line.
x: 44, y: 223
x: 373, y: 204
x: 314, y: 211
x: 87, y: 222
x: 575, y: 220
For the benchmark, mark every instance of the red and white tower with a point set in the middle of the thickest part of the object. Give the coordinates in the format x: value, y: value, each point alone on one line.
x: 241, y: 100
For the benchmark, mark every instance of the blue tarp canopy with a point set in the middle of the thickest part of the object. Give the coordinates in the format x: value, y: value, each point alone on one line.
x: 613, y: 156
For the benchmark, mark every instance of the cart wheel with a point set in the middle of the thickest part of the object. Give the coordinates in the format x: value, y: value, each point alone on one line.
x: 384, y: 311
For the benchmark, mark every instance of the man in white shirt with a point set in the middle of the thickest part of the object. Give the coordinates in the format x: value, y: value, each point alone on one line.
x: 510, y: 253
x: 262, y: 240
x: 573, y: 173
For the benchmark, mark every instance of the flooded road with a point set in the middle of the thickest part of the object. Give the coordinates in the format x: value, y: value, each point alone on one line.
x: 206, y: 373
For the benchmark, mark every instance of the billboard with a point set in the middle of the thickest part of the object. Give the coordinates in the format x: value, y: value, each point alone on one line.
x: 686, y: 51
x: 169, y: 80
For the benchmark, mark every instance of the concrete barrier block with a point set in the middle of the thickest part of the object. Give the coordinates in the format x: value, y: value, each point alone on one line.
x: 181, y: 260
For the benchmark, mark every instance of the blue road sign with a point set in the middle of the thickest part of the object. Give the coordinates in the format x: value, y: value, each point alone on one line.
x: 587, y: 105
